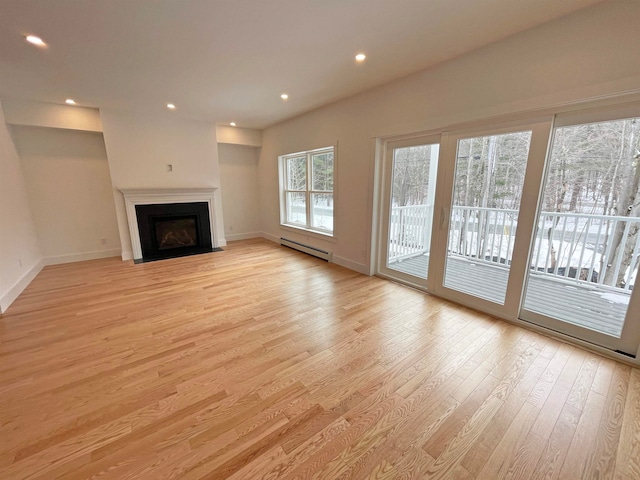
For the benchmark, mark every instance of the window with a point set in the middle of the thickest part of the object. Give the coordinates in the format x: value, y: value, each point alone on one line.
x: 306, y: 193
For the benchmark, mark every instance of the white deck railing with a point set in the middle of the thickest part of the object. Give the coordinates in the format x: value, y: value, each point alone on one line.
x: 585, y: 248
x: 409, y: 231
x: 576, y: 247
x: 487, y: 234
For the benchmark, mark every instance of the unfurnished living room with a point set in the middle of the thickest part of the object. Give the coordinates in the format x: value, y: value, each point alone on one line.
x: 298, y: 239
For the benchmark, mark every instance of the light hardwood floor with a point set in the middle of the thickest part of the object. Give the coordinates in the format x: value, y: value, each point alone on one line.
x: 261, y: 362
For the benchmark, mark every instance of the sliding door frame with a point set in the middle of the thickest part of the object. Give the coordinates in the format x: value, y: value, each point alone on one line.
x: 385, y: 192
x: 540, y: 134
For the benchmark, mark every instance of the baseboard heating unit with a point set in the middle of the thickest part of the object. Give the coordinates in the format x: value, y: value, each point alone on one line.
x: 316, y: 252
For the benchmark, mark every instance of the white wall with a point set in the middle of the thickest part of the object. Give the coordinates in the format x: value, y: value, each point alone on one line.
x: 240, y: 198
x: 20, y: 257
x: 139, y: 148
x: 19, y: 111
x: 582, y: 56
x: 70, y: 193
x: 239, y: 136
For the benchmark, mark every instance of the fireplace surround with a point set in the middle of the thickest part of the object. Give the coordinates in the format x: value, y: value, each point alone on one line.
x: 165, y: 223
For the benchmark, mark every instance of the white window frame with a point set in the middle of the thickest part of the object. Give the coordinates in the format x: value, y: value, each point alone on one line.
x: 309, y: 191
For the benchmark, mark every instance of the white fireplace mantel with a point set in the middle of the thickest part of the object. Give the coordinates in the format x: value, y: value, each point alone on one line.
x: 150, y: 196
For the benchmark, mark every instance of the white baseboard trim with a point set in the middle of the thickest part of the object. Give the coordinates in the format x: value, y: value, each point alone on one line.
x: 10, y: 295
x: 81, y: 257
x: 351, y: 265
x: 271, y: 238
x: 243, y: 236
x: 128, y: 255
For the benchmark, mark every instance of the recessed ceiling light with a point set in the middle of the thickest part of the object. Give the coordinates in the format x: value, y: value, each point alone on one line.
x: 360, y: 57
x: 35, y: 41
x: 70, y: 101
x: 171, y: 106
x: 284, y: 96
x: 233, y: 124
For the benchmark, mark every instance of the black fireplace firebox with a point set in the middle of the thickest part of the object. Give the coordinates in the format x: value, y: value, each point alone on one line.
x: 173, y: 230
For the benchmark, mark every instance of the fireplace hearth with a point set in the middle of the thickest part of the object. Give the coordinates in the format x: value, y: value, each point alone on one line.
x: 170, y: 230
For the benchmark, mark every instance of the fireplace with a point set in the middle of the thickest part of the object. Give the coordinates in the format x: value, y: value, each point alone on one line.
x: 166, y: 223
x: 175, y: 232
x: 173, y: 229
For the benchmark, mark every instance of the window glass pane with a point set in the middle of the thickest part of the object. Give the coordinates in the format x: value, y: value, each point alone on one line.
x: 490, y: 170
x: 322, y: 171
x: 296, y: 208
x: 411, y: 211
x: 322, y: 211
x: 297, y: 173
x: 484, y: 216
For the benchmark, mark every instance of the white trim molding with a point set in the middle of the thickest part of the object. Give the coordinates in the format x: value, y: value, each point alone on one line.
x: 82, y: 257
x: 243, y: 236
x: 351, y: 265
x: 17, y: 288
x: 151, y: 196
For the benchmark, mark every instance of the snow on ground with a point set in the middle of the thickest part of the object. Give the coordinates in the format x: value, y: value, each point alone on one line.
x: 613, y: 297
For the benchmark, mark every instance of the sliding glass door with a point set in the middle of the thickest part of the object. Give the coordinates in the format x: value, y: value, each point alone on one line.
x: 487, y: 190
x: 486, y: 214
x: 537, y: 221
x: 409, y: 181
x: 586, y: 248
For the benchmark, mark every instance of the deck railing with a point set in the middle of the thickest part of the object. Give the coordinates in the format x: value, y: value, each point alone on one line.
x: 409, y: 231
x: 598, y: 249
x: 487, y: 234
x: 594, y: 248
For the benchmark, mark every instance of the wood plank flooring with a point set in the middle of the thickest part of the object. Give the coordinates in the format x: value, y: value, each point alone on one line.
x: 260, y: 362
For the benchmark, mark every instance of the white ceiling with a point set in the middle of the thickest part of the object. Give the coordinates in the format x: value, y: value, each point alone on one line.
x: 229, y: 60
